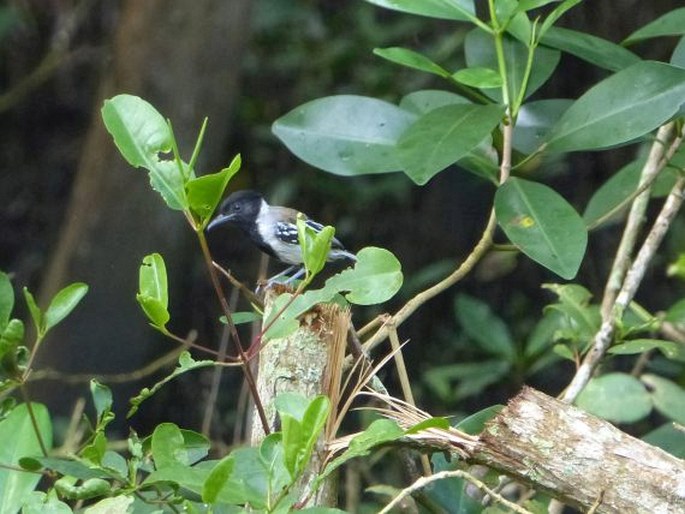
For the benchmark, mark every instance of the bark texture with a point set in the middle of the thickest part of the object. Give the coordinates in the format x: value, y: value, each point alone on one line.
x: 582, y: 459
x: 306, y: 362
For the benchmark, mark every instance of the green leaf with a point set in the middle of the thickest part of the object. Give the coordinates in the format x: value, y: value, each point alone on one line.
x: 623, y: 107
x: 534, y: 121
x: 345, y: 134
x: 312, y: 424
x: 239, y: 318
x: 670, y: 24
x: 10, y: 338
x: 120, y: 504
x: 542, y: 225
x: 63, y: 303
x: 379, y: 432
x: 64, y: 466
x: 40, y: 503
x: 421, y: 102
x: 613, y: 192
x: 475, y: 423
x: 678, y: 55
x: 36, y: 313
x: 592, y: 49
x: 315, y: 246
x: 557, y: 13
x: 102, y: 398
x: 460, y: 10
x: 616, y: 397
x: 668, y: 397
x: 670, y: 349
x: 375, y: 277
x: 527, y: 5
x: 205, y: 192
x: 141, y: 134
x: 583, y: 318
x: 185, y: 363
x: 439, y: 422
x: 6, y: 300
x: 478, y: 77
x: 168, y: 447
x: 217, y: 478
x: 443, y: 136
x: 668, y: 438
x: 411, y: 59
x: 479, y: 48
x: 153, y: 294
x: 19, y: 440
x: 484, y: 327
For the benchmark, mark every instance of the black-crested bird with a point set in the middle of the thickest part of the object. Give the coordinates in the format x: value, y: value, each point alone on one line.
x: 273, y: 229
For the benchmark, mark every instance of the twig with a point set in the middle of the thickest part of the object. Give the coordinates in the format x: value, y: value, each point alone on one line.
x: 425, y: 481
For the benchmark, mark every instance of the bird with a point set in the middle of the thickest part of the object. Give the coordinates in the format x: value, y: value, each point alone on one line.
x: 273, y: 229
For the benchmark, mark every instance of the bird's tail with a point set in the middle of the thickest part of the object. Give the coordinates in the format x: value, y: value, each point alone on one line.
x: 338, y: 255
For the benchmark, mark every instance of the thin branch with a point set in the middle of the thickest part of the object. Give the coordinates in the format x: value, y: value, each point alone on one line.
x: 425, y: 481
x: 634, y: 276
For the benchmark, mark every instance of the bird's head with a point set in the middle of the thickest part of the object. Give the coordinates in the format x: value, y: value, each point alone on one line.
x: 240, y: 208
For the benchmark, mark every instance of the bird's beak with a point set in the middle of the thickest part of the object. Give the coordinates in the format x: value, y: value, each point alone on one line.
x: 219, y: 220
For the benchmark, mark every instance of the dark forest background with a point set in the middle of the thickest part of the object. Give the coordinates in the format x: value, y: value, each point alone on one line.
x: 72, y: 210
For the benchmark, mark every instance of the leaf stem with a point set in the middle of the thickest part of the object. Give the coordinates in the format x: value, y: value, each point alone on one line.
x: 34, y: 420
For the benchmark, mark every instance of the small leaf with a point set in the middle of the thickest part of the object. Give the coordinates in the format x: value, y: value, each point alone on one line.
x: 63, y: 303
x: 443, y: 136
x: 142, y: 135
x: 6, y: 300
x: 315, y: 245
x: 102, y: 398
x: 484, y: 326
x: 460, y: 10
x: 668, y: 397
x: 583, y: 318
x: 153, y: 294
x: 239, y: 318
x: 375, y: 278
x: 556, y: 13
x: 678, y: 56
x: 621, y: 108
x: 205, y: 192
x: 411, y: 59
x: 670, y: 24
x: 345, y: 134
x: 36, y: 313
x: 616, y: 397
x: 478, y: 77
x: 592, y: 49
x: 670, y: 349
x: 475, y: 423
x: 479, y: 48
x: 542, y: 225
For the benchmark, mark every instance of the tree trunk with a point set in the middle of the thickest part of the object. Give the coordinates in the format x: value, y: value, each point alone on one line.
x: 307, y: 362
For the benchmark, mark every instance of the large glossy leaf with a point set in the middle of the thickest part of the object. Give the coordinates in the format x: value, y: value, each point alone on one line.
x: 670, y: 24
x: 542, y: 225
x: 535, y: 119
x: 593, y: 49
x: 461, y: 10
x: 345, y: 134
x: 143, y: 136
x: 443, y: 136
x: 616, y: 397
x: 19, y: 440
x: 480, y: 53
x: 678, y: 56
x: 426, y: 100
x: 625, y: 106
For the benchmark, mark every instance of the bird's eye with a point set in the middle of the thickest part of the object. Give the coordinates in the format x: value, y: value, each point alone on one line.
x: 237, y: 207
